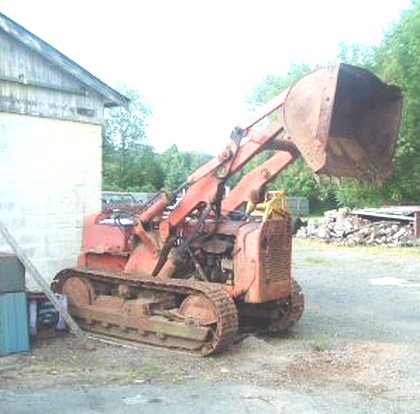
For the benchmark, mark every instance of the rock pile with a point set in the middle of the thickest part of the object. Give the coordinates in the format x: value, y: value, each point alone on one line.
x: 342, y: 227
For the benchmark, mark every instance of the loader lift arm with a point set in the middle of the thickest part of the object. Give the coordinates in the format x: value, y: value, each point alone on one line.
x: 342, y: 119
x: 248, y: 188
x: 333, y: 117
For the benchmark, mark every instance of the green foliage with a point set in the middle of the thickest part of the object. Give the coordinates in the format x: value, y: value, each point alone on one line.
x: 126, y: 128
x: 272, y: 85
x: 397, y: 60
x: 298, y: 180
x: 354, y: 194
x: 178, y: 165
x: 130, y: 163
x: 355, y: 54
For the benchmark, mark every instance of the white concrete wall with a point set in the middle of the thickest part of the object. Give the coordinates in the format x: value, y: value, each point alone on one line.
x: 50, y: 178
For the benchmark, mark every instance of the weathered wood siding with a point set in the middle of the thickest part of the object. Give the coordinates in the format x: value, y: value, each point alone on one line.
x: 31, y: 85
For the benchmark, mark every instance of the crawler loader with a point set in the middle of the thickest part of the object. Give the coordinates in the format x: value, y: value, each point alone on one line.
x: 190, y: 266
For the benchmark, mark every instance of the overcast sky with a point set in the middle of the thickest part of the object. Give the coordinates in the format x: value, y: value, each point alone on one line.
x: 196, y: 61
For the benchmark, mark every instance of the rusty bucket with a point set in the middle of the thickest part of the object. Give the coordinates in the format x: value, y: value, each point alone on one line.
x: 344, y: 121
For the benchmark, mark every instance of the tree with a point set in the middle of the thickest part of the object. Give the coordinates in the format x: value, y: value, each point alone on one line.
x: 129, y: 161
x: 355, y: 54
x: 178, y: 165
x: 352, y: 193
x: 397, y: 60
x: 272, y: 85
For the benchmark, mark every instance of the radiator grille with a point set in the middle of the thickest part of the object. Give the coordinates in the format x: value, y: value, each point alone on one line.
x: 276, y: 250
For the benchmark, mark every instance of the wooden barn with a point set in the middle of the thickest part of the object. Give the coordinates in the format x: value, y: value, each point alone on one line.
x: 51, y: 121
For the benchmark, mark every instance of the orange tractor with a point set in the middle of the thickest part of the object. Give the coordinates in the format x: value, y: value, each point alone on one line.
x: 189, y: 268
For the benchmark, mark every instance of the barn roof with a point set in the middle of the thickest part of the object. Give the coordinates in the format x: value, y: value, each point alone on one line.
x: 37, y: 45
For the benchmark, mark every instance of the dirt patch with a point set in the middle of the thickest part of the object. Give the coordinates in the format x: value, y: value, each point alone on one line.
x: 59, y: 359
x: 356, y: 343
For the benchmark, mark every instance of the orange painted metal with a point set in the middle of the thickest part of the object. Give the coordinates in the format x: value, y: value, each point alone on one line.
x: 98, y: 236
x: 142, y: 262
x: 249, y: 187
x: 103, y: 260
x: 156, y: 208
x: 342, y: 120
x: 104, y: 246
x: 263, y: 261
x: 148, y: 238
x: 257, y: 141
x: 204, y: 189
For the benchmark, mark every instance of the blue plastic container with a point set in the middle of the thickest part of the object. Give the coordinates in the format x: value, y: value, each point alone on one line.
x: 14, y: 329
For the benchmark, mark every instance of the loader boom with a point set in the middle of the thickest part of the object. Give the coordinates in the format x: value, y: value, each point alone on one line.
x: 342, y: 119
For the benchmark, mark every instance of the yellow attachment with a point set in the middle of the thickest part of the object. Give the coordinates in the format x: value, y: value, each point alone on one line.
x: 274, y: 206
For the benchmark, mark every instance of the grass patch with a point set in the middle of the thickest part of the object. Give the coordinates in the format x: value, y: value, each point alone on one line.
x: 319, y: 344
x: 315, y: 260
x: 149, y: 371
x: 211, y: 360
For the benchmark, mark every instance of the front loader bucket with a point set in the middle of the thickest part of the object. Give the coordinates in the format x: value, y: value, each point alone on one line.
x: 344, y: 121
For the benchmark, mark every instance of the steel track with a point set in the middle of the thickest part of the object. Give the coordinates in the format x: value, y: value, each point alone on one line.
x: 111, y: 323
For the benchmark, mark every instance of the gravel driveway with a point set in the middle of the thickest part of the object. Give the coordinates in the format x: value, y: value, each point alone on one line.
x: 354, y: 351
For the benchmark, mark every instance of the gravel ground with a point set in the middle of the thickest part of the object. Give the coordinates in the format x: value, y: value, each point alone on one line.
x: 355, y: 350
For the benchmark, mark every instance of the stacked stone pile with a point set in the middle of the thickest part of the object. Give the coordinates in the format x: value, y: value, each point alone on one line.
x: 342, y: 227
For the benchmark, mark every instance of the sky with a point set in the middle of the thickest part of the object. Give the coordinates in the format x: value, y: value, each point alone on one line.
x: 196, y: 61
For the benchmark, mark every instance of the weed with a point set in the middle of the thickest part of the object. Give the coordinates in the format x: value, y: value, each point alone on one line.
x: 150, y: 370
x: 211, y: 361
x: 315, y: 260
x: 319, y: 344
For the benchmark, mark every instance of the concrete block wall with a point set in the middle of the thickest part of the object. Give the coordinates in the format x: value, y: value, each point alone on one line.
x: 50, y: 178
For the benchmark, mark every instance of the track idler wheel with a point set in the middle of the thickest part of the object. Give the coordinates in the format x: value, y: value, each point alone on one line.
x: 79, y: 291
x: 198, y: 308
